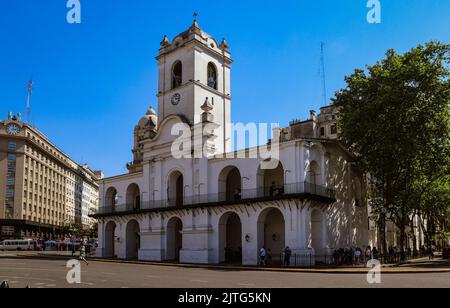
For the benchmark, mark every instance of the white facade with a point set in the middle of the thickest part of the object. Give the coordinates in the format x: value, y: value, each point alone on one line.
x: 213, y: 209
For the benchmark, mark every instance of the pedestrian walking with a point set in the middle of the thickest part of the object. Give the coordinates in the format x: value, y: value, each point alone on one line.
x: 83, y: 254
x: 262, y: 256
x: 287, y: 256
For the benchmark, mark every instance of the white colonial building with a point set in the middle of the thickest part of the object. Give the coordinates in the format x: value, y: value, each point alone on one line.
x: 218, y: 208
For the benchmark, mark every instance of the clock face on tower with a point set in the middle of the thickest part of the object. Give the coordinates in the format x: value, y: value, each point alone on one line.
x: 13, y: 129
x: 176, y: 98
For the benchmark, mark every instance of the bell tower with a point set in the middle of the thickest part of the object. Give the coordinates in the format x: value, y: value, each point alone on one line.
x: 193, y: 68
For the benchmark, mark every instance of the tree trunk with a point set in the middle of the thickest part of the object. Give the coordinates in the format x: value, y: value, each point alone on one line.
x: 382, y: 233
x: 414, y: 248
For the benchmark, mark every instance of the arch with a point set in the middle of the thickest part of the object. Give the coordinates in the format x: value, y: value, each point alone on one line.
x: 174, y: 239
x: 316, y: 231
x: 133, y: 241
x: 111, y: 198
x: 271, y: 232
x: 109, y: 248
x: 230, y: 238
x: 212, y: 76
x: 175, y: 189
x: 133, y: 197
x: 313, y: 177
x: 177, y: 74
x: 271, y: 181
x: 230, y: 184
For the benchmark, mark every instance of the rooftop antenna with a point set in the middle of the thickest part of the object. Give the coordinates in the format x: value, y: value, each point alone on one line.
x: 322, y: 72
x: 30, y: 91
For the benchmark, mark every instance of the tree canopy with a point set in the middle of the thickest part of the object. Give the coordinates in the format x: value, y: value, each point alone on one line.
x: 394, y: 117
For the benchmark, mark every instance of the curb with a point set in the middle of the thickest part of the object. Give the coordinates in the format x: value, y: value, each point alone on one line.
x: 384, y: 270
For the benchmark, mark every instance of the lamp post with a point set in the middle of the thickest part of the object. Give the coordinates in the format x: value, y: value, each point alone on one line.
x: 142, y: 199
x: 242, y: 184
x: 184, y: 193
x: 154, y: 191
x: 286, y: 172
x: 199, y: 186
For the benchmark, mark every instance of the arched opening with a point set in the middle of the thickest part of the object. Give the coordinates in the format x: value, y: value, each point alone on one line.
x: 212, y: 76
x: 175, y: 189
x: 316, y: 232
x: 111, y: 199
x: 174, y: 238
x: 313, y: 177
x: 230, y: 238
x: 271, y: 233
x: 271, y: 182
x: 177, y: 73
x: 133, y: 198
x: 133, y: 240
x: 109, y: 249
x: 230, y: 184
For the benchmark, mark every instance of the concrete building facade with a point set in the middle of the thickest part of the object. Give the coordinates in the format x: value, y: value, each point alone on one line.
x: 41, y: 188
x: 225, y: 206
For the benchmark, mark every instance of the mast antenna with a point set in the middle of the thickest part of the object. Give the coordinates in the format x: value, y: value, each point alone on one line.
x: 30, y: 91
x: 322, y: 72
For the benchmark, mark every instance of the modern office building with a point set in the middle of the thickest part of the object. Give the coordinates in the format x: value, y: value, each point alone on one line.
x: 42, y: 190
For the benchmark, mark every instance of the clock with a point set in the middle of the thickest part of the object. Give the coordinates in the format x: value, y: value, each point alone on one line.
x: 176, y: 98
x: 13, y: 129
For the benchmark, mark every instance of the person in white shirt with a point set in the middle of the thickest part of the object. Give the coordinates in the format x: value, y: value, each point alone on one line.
x: 262, y: 256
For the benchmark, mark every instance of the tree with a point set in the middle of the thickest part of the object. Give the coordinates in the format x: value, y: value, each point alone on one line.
x: 395, y: 118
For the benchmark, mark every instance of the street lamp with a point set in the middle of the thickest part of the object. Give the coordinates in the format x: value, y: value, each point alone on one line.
x: 286, y: 172
x: 142, y: 199
x: 199, y: 186
x: 242, y: 183
x: 154, y: 191
x: 184, y: 193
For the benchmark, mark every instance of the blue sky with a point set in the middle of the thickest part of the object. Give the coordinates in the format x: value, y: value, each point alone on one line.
x: 94, y: 81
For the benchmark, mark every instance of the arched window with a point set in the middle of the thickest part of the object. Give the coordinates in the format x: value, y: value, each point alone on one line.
x: 177, y: 72
x: 212, y: 76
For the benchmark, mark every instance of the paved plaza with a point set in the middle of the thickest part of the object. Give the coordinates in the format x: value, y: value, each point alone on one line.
x: 51, y: 273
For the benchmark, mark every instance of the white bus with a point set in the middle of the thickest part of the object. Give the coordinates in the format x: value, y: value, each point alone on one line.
x: 17, y: 245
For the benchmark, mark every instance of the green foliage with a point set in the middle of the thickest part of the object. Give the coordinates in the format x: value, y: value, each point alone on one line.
x: 395, y: 118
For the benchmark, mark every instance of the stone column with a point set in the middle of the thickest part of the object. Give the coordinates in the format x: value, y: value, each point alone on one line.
x: 196, y: 238
x: 152, y: 239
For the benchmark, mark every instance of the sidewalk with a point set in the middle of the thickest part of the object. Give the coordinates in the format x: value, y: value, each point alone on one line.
x: 417, y: 266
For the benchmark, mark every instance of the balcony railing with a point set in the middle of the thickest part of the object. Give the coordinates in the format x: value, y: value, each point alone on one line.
x: 246, y: 195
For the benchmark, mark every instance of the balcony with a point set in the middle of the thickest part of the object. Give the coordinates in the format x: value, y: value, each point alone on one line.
x: 296, y: 190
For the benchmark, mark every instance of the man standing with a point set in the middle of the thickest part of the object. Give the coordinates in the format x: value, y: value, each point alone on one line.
x: 287, y: 256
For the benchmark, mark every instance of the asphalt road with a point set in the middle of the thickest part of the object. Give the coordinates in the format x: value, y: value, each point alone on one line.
x: 52, y: 274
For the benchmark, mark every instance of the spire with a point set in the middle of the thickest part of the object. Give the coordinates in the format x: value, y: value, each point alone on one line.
x: 151, y: 111
x: 165, y: 42
x: 195, y: 28
x: 207, y: 116
x: 224, y: 45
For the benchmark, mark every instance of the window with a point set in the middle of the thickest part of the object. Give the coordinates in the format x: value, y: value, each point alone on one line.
x: 12, y: 146
x: 322, y: 131
x: 10, y: 181
x: 333, y: 129
x: 177, y: 73
x: 212, y: 76
x: 11, y: 157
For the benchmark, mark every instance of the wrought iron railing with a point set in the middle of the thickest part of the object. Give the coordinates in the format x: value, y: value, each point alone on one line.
x: 273, y: 192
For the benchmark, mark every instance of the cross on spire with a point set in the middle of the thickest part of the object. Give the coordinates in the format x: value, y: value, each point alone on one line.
x: 195, y: 16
